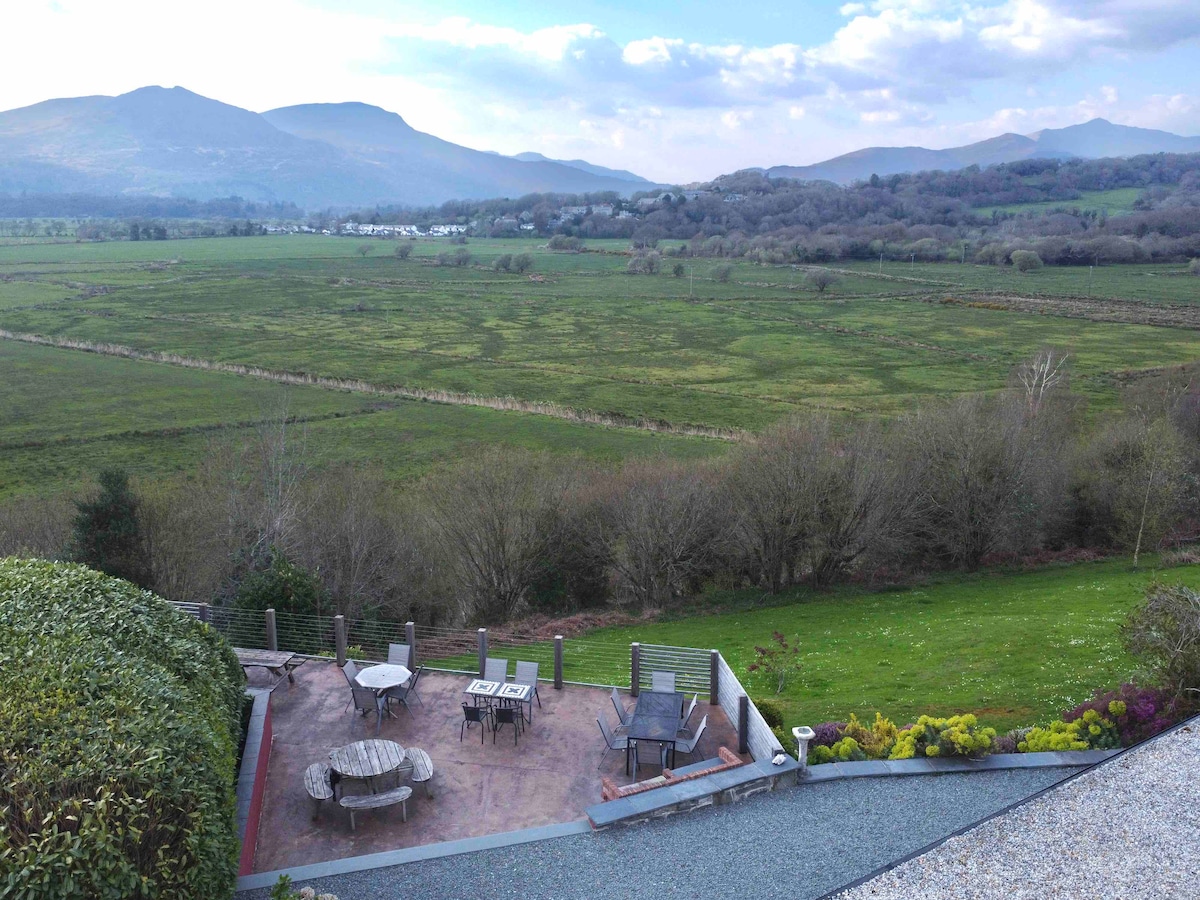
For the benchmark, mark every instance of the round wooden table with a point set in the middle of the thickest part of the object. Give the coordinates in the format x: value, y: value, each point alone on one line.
x: 367, y: 759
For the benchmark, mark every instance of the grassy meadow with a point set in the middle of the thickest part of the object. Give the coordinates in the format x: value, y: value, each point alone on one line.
x: 579, y: 332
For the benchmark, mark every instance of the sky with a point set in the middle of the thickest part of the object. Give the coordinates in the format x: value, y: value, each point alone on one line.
x: 676, y: 92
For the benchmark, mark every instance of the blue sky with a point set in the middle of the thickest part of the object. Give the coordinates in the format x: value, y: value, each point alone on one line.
x: 676, y: 92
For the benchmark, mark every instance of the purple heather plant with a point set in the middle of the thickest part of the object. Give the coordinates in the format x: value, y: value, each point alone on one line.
x: 826, y: 734
x: 1148, y: 710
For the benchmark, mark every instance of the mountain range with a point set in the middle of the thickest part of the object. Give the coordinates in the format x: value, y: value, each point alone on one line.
x: 1095, y: 139
x: 172, y: 142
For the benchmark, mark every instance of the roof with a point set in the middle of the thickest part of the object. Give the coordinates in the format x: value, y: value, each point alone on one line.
x: 796, y: 843
x: 1131, y: 824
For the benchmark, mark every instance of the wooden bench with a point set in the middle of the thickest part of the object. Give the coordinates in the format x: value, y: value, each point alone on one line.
x: 420, y: 766
x: 277, y: 662
x: 355, y: 802
x: 319, y: 784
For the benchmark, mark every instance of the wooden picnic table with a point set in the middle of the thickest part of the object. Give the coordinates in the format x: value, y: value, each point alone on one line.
x: 367, y: 759
x: 277, y: 662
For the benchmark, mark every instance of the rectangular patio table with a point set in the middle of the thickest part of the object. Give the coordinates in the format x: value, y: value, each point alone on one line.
x: 656, y: 719
x: 481, y: 689
x: 277, y: 662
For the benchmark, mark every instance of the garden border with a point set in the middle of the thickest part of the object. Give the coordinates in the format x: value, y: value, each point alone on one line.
x: 252, y: 776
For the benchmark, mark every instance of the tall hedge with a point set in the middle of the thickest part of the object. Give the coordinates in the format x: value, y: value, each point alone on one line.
x: 119, y: 723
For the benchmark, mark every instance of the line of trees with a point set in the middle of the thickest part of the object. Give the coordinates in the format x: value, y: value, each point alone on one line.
x: 815, y: 500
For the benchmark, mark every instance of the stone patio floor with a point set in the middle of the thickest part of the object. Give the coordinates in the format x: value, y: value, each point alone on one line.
x: 550, y: 776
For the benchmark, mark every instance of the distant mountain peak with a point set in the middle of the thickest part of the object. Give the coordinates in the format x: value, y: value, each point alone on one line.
x: 1093, y: 139
x: 172, y: 141
x: 583, y: 166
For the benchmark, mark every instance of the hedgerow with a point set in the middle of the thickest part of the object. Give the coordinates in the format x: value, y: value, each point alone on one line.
x: 118, y: 735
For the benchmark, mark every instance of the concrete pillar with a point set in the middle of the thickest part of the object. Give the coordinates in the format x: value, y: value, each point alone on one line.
x: 558, y: 662
x: 482, y: 651
x: 635, y: 669
x: 272, y: 635
x: 339, y: 638
x: 410, y: 638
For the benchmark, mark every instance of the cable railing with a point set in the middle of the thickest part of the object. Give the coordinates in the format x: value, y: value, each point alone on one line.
x: 457, y: 650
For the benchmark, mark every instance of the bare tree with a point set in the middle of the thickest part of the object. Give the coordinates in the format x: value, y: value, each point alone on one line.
x: 1164, y: 634
x: 820, y: 279
x: 660, y: 527
x: 989, y: 477
x: 1132, y: 480
x: 771, y: 486
x: 495, y: 517
x: 36, y: 526
x: 1040, y: 376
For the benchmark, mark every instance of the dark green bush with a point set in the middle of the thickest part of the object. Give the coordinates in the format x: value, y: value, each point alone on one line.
x: 118, y: 732
x: 772, y: 712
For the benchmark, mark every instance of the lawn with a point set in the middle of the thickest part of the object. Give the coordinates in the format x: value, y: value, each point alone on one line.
x: 1114, y: 202
x: 1016, y: 648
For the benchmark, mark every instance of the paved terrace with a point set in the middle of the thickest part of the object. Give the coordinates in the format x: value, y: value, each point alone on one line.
x: 478, y: 789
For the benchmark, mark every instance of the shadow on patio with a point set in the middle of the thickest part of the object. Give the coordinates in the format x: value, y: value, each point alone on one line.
x: 550, y: 776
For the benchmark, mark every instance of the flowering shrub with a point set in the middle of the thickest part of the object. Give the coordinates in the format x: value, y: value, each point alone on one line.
x: 1091, y: 731
x: 877, y: 741
x: 955, y: 736
x: 845, y: 750
x: 778, y: 661
x: 1148, y: 711
x: 826, y: 734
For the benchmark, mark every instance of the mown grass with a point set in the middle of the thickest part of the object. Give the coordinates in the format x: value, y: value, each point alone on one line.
x: 1016, y: 648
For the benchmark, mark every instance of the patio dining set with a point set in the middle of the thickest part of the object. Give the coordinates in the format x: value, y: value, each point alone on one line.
x: 375, y: 688
x: 656, y: 729
x: 378, y: 765
x: 496, y: 701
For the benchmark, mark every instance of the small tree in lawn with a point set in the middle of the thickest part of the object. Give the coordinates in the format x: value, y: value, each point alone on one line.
x: 820, y: 279
x: 363, y: 249
x: 779, y: 660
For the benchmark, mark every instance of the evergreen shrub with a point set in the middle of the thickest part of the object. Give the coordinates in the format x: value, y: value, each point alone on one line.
x: 118, y: 736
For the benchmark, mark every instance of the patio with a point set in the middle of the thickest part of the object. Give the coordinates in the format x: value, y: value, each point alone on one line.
x: 549, y: 777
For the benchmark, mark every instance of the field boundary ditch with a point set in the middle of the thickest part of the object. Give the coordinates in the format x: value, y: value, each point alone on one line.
x: 453, y: 398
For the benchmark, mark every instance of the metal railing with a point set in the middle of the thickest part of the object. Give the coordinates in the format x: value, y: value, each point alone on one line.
x: 692, y: 667
x: 457, y: 650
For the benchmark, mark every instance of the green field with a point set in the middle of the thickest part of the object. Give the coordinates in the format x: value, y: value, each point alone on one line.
x: 688, y: 351
x: 1017, y: 648
x: 1014, y: 648
x: 1114, y: 202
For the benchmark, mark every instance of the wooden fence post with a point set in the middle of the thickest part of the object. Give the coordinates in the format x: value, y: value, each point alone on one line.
x: 635, y: 668
x: 743, y: 723
x: 410, y: 638
x: 203, y: 613
x: 558, y: 662
x: 714, y: 677
x: 482, y: 651
x: 272, y: 634
x: 339, y: 638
